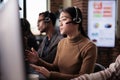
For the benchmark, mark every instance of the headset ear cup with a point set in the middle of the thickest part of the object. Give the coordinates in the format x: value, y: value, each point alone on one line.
x: 47, y: 19
x: 77, y: 20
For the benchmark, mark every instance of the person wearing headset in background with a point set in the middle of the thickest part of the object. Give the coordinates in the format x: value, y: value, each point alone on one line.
x: 111, y: 73
x: 76, y: 54
x: 48, y: 47
x: 46, y: 23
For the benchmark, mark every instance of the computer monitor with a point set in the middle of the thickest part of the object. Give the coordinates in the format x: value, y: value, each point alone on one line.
x: 11, y: 53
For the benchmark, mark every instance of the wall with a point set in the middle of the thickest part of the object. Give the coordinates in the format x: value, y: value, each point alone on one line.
x: 56, y: 4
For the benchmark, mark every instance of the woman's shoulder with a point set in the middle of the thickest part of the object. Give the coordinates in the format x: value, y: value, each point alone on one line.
x: 63, y: 40
x: 87, y: 43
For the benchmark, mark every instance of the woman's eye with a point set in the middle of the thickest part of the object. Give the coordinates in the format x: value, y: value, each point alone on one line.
x: 64, y: 19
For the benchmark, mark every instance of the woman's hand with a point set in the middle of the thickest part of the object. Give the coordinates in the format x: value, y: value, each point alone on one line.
x: 41, y: 70
x: 32, y: 56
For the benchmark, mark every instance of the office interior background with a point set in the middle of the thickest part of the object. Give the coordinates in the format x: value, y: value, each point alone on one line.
x: 106, y: 54
x: 30, y: 10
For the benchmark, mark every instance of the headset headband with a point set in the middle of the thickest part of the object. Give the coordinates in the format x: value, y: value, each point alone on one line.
x: 76, y: 19
x: 47, y: 17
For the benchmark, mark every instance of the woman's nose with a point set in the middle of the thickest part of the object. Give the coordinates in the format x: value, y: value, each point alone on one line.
x: 37, y: 24
x: 60, y: 24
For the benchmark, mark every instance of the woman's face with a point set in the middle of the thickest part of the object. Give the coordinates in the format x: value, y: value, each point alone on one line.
x: 66, y: 25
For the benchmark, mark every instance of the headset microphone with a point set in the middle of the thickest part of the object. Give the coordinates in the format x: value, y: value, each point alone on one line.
x: 69, y: 22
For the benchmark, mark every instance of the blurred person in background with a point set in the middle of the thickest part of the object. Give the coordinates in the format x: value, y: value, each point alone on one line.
x: 29, y: 38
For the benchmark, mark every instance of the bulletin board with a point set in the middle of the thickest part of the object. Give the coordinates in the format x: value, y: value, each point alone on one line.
x: 102, y: 22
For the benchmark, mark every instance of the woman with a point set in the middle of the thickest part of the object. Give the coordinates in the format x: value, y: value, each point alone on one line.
x: 76, y: 54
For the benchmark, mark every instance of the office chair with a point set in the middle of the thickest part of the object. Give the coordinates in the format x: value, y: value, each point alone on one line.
x: 98, y: 67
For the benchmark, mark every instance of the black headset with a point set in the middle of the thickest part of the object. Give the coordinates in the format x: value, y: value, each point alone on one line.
x: 47, y: 17
x: 77, y: 19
